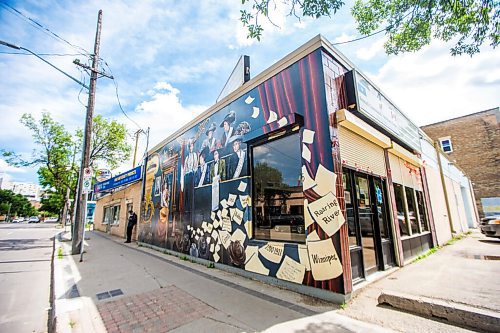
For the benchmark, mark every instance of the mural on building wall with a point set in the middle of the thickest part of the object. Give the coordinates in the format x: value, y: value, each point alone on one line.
x: 198, y: 188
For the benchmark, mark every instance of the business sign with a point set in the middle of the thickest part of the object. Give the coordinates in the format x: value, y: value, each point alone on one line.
x: 102, y: 175
x: 376, y: 107
x: 90, y: 210
x: 122, y: 179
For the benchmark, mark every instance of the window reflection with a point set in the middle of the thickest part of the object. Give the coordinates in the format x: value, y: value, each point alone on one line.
x: 278, y: 196
x: 412, y: 215
x: 421, y: 211
x: 349, y: 207
x: 400, y: 206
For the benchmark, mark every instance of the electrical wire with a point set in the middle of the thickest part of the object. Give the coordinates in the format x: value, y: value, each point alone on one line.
x: 44, y: 29
x: 45, y: 54
x: 363, y: 37
x: 118, y: 97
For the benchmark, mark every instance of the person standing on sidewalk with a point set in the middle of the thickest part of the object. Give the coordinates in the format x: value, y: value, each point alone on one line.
x: 132, y: 221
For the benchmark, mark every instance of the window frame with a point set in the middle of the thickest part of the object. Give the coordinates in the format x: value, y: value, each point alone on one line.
x: 276, y: 136
x: 449, y: 146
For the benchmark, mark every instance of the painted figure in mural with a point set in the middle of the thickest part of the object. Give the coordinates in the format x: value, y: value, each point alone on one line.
x: 218, y: 168
x: 210, y: 141
x: 228, y: 129
x: 132, y: 221
x: 190, y: 166
x: 237, y: 161
x: 202, y: 175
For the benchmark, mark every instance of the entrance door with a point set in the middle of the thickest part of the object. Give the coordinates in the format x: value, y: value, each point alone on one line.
x: 365, y: 214
x: 367, y: 217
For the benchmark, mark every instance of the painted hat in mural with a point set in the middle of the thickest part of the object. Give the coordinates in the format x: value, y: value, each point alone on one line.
x: 243, y: 128
x: 235, y: 138
x: 230, y: 118
x: 212, y: 128
x: 204, y: 152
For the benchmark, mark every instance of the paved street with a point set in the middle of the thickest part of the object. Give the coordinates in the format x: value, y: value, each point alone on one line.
x: 25, y: 265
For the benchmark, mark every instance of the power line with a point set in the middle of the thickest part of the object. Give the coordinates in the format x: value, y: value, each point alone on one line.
x: 44, y: 29
x: 118, y: 97
x: 363, y: 37
x: 45, y: 54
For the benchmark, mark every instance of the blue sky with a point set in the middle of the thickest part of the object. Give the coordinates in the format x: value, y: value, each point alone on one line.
x: 171, y: 59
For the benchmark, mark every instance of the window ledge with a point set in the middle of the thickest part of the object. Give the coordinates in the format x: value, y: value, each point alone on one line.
x: 415, y: 235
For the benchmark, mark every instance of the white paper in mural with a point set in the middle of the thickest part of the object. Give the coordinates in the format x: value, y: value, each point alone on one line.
x: 306, y: 153
x: 226, y: 224
x: 326, y: 212
x: 272, y: 251
x: 248, y: 228
x: 238, y: 235
x: 225, y: 238
x: 231, y: 200
x: 250, y: 251
x: 325, y: 179
x: 256, y: 112
x: 312, y: 237
x: 308, y: 220
x: 325, y: 263
x: 308, y: 136
x: 290, y: 270
x: 304, y: 257
x: 242, y: 187
x: 272, y: 117
x: 282, y: 122
x: 307, y: 181
x: 244, y: 201
x: 236, y: 215
x: 256, y: 266
x: 249, y: 100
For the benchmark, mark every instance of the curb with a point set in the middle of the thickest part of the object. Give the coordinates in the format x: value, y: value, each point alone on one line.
x: 454, y: 313
x: 51, y: 320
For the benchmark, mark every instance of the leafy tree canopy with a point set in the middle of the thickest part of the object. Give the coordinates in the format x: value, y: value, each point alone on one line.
x: 409, y: 25
x: 15, y: 204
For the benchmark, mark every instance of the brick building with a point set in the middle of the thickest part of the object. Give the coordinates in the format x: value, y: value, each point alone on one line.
x: 473, y: 143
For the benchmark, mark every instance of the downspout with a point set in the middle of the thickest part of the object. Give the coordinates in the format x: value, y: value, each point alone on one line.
x: 443, y: 182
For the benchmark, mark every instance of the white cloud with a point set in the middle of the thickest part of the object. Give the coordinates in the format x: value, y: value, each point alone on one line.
x: 6, y: 168
x: 432, y: 86
x: 369, y: 52
x: 344, y: 37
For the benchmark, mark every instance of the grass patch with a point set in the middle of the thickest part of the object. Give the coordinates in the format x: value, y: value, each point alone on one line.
x: 343, y: 306
x: 185, y: 258
x: 72, y: 323
x: 60, y: 253
x: 211, y: 265
x: 452, y: 241
x: 426, y: 254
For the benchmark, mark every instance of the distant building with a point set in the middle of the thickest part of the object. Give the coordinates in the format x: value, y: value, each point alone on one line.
x: 29, y: 190
x: 473, y: 143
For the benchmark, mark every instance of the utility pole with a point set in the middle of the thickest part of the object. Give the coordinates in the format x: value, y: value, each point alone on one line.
x: 81, y: 209
x: 136, y: 141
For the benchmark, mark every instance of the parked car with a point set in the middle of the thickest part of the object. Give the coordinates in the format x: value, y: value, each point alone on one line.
x: 17, y: 220
x: 52, y: 219
x: 34, y: 219
x: 490, y: 226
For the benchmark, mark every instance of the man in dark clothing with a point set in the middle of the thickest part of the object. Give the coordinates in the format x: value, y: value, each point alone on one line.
x: 132, y: 221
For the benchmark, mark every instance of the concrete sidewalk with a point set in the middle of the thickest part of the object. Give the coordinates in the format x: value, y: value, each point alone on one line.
x: 463, y: 277
x: 125, y: 288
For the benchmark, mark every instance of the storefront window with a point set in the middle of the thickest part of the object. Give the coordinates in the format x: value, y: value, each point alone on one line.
x: 278, y: 190
x: 400, y: 205
x: 112, y: 215
x: 412, y: 214
x: 421, y: 211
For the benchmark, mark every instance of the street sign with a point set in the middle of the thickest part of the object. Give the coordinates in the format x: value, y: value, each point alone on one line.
x: 87, y: 172
x: 87, y: 184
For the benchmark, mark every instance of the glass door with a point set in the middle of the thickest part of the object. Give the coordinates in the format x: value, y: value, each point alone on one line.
x: 365, y: 213
x: 382, y: 223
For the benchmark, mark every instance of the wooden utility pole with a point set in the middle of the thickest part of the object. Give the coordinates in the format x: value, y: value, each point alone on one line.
x: 81, y: 211
x: 136, y: 141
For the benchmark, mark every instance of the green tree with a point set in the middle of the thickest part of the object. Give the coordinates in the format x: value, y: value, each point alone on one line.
x: 17, y: 204
x: 53, y: 203
x: 409, y: 25
x: 57, y: 153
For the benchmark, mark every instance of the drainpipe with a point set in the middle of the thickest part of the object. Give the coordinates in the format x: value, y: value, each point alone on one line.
x: 448, y: 210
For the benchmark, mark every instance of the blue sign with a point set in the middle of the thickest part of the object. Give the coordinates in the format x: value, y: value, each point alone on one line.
x: 122, y: 179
